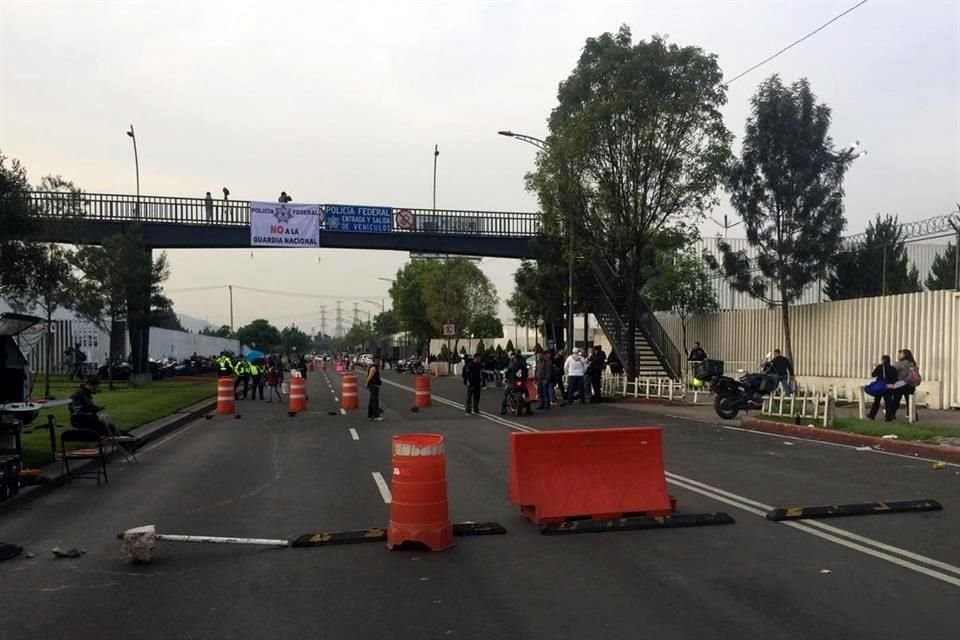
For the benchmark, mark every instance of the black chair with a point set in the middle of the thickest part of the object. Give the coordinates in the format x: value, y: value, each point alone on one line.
x: 95, y: 452
x: 119, y: 442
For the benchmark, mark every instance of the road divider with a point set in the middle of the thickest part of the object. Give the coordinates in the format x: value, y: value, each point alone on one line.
x: 421, y: 394
x: 350, y: 398
x: 419, y: 512
x: 226, y: 398
x: 298, y: 396
x: 858, y: 509
x: 635, y: 523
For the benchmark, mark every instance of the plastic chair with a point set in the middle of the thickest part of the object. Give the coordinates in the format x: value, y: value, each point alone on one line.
x: 83, y: 436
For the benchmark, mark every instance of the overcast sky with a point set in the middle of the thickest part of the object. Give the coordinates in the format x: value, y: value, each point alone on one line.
x: 343, y: 102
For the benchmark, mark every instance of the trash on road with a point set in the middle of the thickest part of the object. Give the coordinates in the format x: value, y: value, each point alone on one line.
x: 864, y: 449
x: 788, y: 444
x: 72, y: 552
x: 825, y: 571
x: 939, y: 465
x: 891, y: 436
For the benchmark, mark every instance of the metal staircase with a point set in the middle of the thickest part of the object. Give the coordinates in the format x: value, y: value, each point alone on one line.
x: 657, y: 356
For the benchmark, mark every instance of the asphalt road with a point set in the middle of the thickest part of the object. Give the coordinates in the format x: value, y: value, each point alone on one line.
x: 269, y: 475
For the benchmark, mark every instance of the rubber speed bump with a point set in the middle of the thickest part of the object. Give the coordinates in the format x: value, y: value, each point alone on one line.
x: 357, y: 536
x: 857, y: 509
x: 636, y: 523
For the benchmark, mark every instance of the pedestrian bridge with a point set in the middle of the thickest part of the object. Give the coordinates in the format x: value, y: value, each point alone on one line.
x: 199, y: 223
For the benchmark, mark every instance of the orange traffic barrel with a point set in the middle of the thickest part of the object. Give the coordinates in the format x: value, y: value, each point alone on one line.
x: 349, y: 398
x: 298, y: 395
x: 421, y: 396
x: 226, y: 401
x: 418, y: 509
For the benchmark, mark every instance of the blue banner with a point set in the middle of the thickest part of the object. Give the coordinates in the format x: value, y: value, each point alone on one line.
x: 358, y: 218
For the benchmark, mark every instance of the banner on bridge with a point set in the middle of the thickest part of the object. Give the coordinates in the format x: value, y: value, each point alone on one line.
x: 284, y: 224
x: 358, y: 218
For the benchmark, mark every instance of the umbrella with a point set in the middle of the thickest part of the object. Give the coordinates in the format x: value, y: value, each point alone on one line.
x: 254, y: 355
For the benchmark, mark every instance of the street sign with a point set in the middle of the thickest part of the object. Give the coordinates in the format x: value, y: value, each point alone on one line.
x: 405, y: 220
x: 449, y: 330
x: 358, y: 218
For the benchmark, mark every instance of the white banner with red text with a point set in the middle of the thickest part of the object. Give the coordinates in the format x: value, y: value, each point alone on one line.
x: 284, y: 224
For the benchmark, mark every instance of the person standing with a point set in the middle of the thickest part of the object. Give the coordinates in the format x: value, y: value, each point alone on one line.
x: 544, y: 375
x: 697, y: 354
x: 886, y: 372
x: 473, y: 381
x: 373, y: 386
x: 516, y: 371
x: 575, y: 367
x: 208, y: 205
x: 78, y: 357
x: 224, y: 366
x: 783, y: 369
x: 598, y: 362
x: 273, y: 381
x: 908, y: 378
x: 242, y: 370
x: 284, y: 198
x: 256, y: 378
x: 558, y: 362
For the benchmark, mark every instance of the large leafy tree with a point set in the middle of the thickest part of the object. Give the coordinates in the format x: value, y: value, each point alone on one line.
x: 386, y: 323
x: 293, y: 339
x: 876, y: 265
x: 787, y: 187
x: 944, y: 274
x: 260, y: 334
x: 16, y: 221
x: 458, y: 293
x: 637, y: 143
x: 47, y: 285
x: 407, y: 296
x: 679, y: 283
x: 223, y: 331
x: 486, y: 326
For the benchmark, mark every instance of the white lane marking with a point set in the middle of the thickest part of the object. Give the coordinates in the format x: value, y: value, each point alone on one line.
x: 827, y: 532
x: 382, y: 485
x: 354, y: 434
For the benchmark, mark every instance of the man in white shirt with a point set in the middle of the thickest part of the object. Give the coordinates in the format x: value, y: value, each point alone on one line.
x: 575, y: 367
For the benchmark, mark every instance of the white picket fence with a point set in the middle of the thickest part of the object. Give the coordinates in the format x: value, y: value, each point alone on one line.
x: 647, y: 388
x: 805, y: 405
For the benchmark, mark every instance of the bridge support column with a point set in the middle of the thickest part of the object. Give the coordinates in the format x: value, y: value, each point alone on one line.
x: 138, y: 318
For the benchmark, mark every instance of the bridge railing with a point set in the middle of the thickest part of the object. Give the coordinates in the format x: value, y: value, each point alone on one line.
x: 106, y: 207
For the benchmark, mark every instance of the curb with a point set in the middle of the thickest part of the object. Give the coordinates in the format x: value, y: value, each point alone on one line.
x: 935, y: 452
x: 148, y: 432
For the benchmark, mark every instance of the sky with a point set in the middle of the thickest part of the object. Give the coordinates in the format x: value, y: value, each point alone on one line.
x: 344, y: 102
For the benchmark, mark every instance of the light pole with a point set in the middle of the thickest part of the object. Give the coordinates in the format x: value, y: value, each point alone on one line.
x: 543, y: 146
x: 136, y: 164
x: 436, y: 154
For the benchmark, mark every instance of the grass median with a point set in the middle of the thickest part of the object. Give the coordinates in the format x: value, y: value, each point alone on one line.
x: 129, y: 407
x: 917, y: 432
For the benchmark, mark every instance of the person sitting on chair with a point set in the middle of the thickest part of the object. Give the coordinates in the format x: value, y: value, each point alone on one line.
x: 83, y: 411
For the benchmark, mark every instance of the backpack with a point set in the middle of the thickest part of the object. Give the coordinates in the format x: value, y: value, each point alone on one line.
x: 913, y: 377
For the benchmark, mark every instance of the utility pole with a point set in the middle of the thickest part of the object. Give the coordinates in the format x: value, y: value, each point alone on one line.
x: 323, y: 321
x: 339, y: 327
x: 436, y: 154
x: 230, y: 287
x: 356, y: 313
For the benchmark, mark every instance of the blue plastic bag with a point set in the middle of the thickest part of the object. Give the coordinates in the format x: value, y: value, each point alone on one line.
x: 876, y: 388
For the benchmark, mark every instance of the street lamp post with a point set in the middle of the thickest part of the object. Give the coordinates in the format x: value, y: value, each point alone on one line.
x: 136, y: 164
x: 543, y: 146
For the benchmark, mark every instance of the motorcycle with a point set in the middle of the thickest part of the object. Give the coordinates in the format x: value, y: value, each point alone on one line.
x: 518, y: 400
x: 731, y: 395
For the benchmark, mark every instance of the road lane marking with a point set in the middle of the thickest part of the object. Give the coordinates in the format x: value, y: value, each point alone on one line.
x: 382, y: 486
x: 354, y: 434
x: 880, y: 550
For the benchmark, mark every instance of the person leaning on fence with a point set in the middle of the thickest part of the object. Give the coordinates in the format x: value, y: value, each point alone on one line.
x: 908, y: 379
x: 886, y: 374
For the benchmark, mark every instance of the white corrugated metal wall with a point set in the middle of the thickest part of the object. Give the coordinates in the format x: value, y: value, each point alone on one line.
x: 842, y: 339
x: 920, y: 256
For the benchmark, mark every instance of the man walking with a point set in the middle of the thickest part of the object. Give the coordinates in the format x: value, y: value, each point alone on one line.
x: 242, y: 371
x: 78, y: 358
x: 784, y: 370
x: 373, y: 386
x: 256, y: 377
x: 575, y: 367
x: 598, y: 362
x: 473, y: 381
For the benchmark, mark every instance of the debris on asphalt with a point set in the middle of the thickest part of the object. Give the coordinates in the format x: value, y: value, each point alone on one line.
x: 825, y: 571
x: 30, y: 555
x: 864, y: 449
x: 789, y: 444
x: 424, y: 579
x: 72, y: 552
x: 939, y: 465
x: 891, y: 436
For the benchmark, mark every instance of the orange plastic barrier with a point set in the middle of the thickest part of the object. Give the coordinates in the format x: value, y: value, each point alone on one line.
x: 349, y: 398
x: 418, y: 510
x: 596, y: 473
x: 298, y: 395
x: 226, y: 401
x: 421, y: 396
x: 532, y: 393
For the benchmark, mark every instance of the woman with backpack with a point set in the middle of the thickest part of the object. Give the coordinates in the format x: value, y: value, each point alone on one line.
x: 908, y: 379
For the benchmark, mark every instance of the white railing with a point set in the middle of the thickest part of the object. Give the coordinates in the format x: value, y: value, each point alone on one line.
x: 647, y: 388
x: 911, y: 406
x: 805, y: 404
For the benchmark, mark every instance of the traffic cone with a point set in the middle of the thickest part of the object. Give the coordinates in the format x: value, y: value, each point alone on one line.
x: 418, y: 510
x: 226, y: 401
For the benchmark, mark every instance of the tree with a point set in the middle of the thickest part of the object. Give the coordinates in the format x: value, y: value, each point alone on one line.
x: 292, y: 339
x: 875, y: 266
x: 486, y: 326
x: 359, y: 337
x: 509, y: 348
x: 406, y: 293
x: 458, y: 293
x: 259, y: 334
x: 224, y: 331
x: 386, y: 324
x: 17, y: 222
x: 638, y: 143
x: 680, y: 284
x: 166, y: 318
x: 787, y: 186
x: 943, y: 275
x: 47, y: 284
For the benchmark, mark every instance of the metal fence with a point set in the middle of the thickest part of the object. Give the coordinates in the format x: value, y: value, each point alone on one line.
x: 106, y: 207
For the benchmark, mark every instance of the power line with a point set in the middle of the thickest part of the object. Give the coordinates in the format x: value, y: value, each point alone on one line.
x: 795, y: 43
